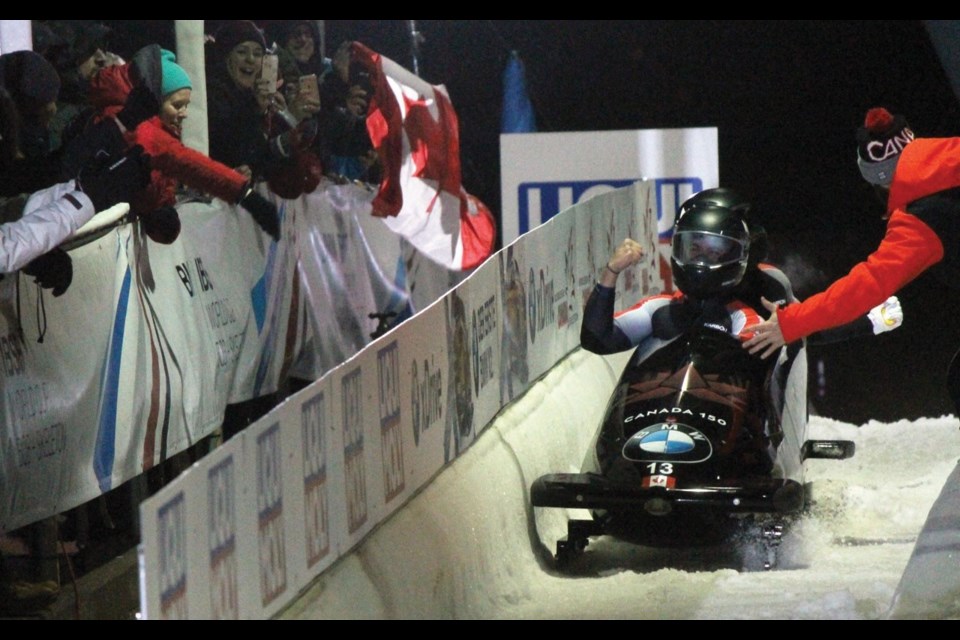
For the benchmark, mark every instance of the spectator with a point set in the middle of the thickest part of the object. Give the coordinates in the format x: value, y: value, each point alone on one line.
x: 246, y: 128
x: 916, y: 180
x: 29, y: 76
x: 32, y: 85
x: 301, y: 39
x: 344, y: 143
x: 156, y: 75
x: 53, y: 214
x: 50, y: 217
x: 77, y: 49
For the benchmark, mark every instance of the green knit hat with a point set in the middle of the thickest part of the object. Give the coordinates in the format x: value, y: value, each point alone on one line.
x: 174, y: 77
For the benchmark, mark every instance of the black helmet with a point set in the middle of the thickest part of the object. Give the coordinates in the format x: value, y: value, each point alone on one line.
x: 711, y: 247
x: 733, y: 200
x: 720, y: 197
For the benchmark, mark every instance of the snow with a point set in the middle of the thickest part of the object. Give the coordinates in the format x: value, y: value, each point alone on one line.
x: 469, y: 546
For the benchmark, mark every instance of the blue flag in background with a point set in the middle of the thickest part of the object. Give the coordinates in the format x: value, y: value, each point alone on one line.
x: 517, y: 116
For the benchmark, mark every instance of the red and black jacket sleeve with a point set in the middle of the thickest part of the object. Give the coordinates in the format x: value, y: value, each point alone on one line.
x: 908, y: 249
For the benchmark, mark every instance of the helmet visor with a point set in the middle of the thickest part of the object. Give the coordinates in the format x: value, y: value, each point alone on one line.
x: 706, y: 249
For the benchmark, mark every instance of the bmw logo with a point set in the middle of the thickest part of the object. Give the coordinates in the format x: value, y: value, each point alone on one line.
x: 667, y: 441
x: 672, y: 442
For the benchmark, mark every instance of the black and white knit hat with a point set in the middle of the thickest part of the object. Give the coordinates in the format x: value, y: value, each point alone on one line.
x: 880, y: 141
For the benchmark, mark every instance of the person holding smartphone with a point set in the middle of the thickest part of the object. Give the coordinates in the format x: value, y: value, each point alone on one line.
x: 300, y: 39
x: 246, y: 123
x: 344, y: 143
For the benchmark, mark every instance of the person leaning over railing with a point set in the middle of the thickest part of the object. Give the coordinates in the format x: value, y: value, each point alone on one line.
x: 28, y: 91
x: 154, y: 74
x: 31, y: 243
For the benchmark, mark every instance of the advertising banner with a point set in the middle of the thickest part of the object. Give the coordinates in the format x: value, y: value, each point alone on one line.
x: 545, y: 173
x: 336, y: 459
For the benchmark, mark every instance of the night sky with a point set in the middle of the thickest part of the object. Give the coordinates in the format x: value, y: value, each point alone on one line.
x: 786, y: 98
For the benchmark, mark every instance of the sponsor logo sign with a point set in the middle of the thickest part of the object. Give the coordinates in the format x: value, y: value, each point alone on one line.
x: 314, y: 441
x: 171, y: 527
x: 391, y: 440
x: 273, y: 563
x: 673, y: 441
x: 222, y: 540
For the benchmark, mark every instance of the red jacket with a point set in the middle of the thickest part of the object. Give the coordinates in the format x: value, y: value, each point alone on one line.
x: 171, y: 161
x: 910, y: 246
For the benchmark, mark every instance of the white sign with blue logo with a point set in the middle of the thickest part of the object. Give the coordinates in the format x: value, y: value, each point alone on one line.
x: 545, y: 173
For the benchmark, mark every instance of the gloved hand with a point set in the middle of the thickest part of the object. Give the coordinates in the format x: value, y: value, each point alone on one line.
x: 287, y: 144
x: 263, y: 211
x: 161, y: 225
x: 141, y: 105
x: 887, y: 316
x: 52, y: 270
x: 108, y: 180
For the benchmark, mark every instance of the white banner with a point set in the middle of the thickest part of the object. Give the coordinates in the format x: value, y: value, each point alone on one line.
x: 335, y: 460
x: 139, y: 358
x: 545, y: 173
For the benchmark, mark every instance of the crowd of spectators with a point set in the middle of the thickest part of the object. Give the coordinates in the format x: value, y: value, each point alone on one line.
x: 84, y: 127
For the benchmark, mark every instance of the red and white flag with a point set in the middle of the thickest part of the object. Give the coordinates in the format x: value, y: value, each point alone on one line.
x: 667, y: 482
x: 416, y: 133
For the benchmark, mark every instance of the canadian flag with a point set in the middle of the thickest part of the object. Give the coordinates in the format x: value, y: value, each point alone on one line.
x: 667, y: 482
x: 415, y: 131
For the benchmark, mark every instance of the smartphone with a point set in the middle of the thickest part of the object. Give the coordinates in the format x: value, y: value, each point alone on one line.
x: 271, y: 63
x: 309, y: 87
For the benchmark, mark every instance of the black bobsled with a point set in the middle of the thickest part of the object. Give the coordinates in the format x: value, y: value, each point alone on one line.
x: 700, y: 442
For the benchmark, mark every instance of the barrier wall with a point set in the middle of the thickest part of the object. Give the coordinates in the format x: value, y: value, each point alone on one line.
x: 246, y: 529
x: 139, y: 358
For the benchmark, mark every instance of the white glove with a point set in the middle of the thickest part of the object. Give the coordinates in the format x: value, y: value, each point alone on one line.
x: 887, y: 316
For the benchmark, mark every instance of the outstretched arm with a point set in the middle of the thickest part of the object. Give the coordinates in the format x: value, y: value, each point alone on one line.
x: 882, y: 318
x: 768, y: 338
x: 48, y: 219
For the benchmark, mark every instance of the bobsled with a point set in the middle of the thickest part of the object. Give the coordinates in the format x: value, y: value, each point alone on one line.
x: 701, y: 443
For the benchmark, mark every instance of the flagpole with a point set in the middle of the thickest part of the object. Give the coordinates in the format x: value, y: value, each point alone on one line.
x: 415, y: 39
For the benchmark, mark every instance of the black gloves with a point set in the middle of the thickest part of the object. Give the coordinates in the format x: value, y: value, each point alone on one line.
x: 263, y: 211
x: 141, y: 105
x: 111, y: 178
x: 52, y: 270
x: 161, y: 225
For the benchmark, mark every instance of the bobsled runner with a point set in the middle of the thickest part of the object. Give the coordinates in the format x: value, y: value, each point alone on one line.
x: 701, y: 444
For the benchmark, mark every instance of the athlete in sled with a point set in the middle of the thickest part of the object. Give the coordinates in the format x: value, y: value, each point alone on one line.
x: 700, y: 441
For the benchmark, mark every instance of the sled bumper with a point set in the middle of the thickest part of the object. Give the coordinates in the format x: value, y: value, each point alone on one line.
x: 591, y: 491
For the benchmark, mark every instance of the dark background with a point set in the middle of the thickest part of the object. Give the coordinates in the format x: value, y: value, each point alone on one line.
x: 786, y: 97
